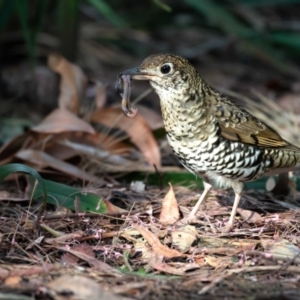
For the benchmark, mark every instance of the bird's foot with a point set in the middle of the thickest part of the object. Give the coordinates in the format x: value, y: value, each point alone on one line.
x: 228, y: 227
x: 186, y: 220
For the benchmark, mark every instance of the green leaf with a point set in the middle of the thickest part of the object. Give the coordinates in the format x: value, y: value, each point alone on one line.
x: 288, y: 39
x: 63, y: 195
x: 19, y: 168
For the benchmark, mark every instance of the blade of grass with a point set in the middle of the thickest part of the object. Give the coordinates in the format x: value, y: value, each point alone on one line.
x: 162, y: 5
x: 68, y: 24
x: 22, y: 10
x: 108, y: 12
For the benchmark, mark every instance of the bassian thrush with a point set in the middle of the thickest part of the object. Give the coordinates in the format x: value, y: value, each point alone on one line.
x: 211, y: 135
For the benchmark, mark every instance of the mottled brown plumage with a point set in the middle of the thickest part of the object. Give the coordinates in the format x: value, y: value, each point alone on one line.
x: 211, y: 135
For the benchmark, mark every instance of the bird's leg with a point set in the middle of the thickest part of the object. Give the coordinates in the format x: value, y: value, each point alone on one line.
x: 238, y: 188
x: 207, y: 188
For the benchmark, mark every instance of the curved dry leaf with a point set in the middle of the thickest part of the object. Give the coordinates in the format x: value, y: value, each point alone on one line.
x: 62, y: 120
x: 184, y: 237
x: 183, y: 270
x: 155, y: 243
x: 8, y: 150
x: 169, y: 212
x: 113, y: 209
x: 94, y: 262
x: 281, y: 249
x: 73, y: 82
x: 137, y: 129
x: 108, y: 142
x: 43, y: 160
x: 80, y: 287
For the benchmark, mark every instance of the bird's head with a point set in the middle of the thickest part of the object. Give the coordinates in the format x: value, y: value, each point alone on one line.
x: 165, y: 72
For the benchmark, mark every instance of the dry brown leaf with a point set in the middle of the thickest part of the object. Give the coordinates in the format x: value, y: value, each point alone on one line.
x: 72, y: 85
x: 112, y: 209
x: 69, y: 259
x: 169, y: 212
x: 281, y: 249
x: 108, y: 142
x: 43, y: 160
x: 218, y: 262
x: 251, y: 216
x: 8, y: 150
x: 94, y: 262
x: 137, y: 129
x: 10, y: 270
x: 62, y: 120
x: 12, y: 281
x: 62, y: 237
x: 59, y: 150
x: 155, y: 244
x: 79, y: 287
x: 185, y: 269
x: 184, y: 237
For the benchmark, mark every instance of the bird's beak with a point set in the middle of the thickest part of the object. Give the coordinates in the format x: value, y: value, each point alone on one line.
x: 136, y: 74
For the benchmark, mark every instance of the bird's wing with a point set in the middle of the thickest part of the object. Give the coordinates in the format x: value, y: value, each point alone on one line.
x: 236, y: 124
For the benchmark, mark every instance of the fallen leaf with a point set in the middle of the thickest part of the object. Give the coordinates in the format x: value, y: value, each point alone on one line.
x: 251, y: 216
x: 77, y: 287
x: 112, y: 209
x: 73, y: 82
x: 281, y: 249
x: 69, y: 259
x: 218, y: 262
x: 137, y: 129
x: 94, y: 262
x: 155, y: 244
x: 184, y: 237
x: 169, y: 212
x: 62, y: 237
x: 62, y: 120
x: 186, y: 269
x: 12, y: 281
x: 43, y: 160
x: 8, y: 150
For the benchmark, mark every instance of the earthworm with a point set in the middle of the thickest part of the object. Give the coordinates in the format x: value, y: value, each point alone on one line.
x: 124, y: 87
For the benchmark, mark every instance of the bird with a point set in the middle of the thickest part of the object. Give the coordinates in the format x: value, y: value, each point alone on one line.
x: 212, y: 136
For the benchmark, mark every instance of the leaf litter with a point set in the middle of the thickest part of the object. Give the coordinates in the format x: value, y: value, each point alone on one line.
x: 134, y: 248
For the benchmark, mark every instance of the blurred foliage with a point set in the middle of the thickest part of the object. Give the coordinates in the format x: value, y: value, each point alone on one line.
x: 254, y: 24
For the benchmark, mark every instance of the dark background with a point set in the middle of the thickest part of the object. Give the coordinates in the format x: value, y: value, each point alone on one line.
x: 236, y: 45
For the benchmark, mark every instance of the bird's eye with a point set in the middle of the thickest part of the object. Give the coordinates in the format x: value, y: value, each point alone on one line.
x: 165, y: 69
